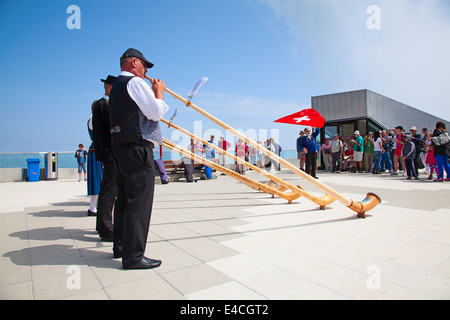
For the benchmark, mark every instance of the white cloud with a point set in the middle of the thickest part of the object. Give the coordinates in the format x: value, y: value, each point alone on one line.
x: 407, y: 59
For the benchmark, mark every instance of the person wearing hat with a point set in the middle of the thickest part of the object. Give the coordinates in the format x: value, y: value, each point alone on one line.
x: 309, y: 144
x: 337, y: 150
x: 102, y: 146
x: 135, y: 109
x: 358, y: 151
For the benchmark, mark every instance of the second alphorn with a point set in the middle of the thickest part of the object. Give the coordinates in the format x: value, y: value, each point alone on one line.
x: 245, y: 180
x: 274, y: 180
x: 370, y: 202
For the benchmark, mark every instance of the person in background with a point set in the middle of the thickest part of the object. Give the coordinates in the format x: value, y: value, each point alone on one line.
x: 300, y: 152
x: 261, y: 155
x: 368, y: 152
x: 424, y: 152
x: 224, y: 145
x: 337, y: 150
x: 398, y: 139
x: 102, y: 144
x: 252, y: 153
x: 358, y: 150
x: 440, y: 153
x: 241, y: 153
x: 309, y: 145
x: 197, y: 148
x: 209, y: 151
x: 386, y: 157
x: 326, y: 154
x: 81, y: 156
x: 347, y: 158
x: 94, y: 174
x: 378, y: 151
x: 417, y: 139
x: 408, y: 155
x: 277, y: 151
x: 430, y: 160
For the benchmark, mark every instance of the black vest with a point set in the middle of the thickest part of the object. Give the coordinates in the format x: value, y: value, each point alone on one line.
x: 128, y: 124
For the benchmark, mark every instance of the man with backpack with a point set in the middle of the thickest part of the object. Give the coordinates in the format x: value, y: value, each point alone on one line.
x: 81, y: 156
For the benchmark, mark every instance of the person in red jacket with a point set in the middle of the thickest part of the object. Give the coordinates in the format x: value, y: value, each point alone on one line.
x: 224, y: 145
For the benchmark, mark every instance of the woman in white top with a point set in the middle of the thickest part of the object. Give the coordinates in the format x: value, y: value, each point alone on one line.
x: 378, y: 152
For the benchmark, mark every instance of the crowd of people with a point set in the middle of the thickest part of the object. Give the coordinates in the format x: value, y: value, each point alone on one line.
x: 241, y: 150
x: 394, y: 151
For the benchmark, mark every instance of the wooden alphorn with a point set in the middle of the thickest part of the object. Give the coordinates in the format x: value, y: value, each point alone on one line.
x: 371, y: 200
x: 274, y: 180
x: 243, y: 179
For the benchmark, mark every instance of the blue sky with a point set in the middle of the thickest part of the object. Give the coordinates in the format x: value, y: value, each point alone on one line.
x: 264, y: 58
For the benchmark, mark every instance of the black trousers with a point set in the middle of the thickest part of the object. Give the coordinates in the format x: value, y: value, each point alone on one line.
x: 106, y: 198
x: 311, y: 163
x: 336, y: 160
x: 135, y: 167
x: 410, y: 169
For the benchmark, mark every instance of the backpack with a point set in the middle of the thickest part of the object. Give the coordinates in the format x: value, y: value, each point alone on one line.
x: 80, y: 155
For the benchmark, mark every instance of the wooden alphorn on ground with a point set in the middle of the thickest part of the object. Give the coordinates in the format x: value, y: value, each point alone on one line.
x: 371, y: 200
x: 243, y: 179
x: 274, y: 183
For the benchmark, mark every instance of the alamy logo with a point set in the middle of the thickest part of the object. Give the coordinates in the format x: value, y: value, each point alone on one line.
x: 74, y: 20
x: 74, y: 280
x: 374, y: 280
x: 374, y: 20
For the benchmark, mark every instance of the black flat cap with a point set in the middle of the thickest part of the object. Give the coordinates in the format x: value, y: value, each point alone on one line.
x: 136, y: 54
x: 110, y: 79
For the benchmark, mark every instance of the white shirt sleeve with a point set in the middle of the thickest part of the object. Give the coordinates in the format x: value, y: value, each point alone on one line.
x: 154, y: 109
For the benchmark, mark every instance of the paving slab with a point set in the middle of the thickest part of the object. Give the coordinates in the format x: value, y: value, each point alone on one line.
x: 220, y: 240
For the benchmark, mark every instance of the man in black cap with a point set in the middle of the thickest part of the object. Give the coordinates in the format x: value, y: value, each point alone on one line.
x: 102, y: 145
x: 135, y: 111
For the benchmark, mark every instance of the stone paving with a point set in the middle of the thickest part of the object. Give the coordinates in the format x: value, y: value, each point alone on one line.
x: 220, y: 240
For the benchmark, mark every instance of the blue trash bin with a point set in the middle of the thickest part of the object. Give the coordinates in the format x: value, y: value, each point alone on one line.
x: 208, y: 172
x: 33, y: 169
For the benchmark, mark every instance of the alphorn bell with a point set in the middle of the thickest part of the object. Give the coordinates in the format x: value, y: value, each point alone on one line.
x: 322, y: 202
x: 370, y: 202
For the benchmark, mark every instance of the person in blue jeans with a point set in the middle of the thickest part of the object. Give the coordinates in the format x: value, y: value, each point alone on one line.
x: 81, y: 156
x: 386, y: 156
x: 440, y: 154
x: 409, y: 154
x: 378, y: 151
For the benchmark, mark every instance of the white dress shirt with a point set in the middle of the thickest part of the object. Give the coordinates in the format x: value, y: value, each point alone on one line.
x: 141, y: 93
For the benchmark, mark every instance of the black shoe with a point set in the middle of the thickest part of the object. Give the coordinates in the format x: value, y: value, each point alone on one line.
x: 117, y: 255
x: 144, y: 263
x: 91, y: 214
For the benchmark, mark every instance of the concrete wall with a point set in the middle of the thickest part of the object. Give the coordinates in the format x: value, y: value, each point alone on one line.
x: 20, y: 174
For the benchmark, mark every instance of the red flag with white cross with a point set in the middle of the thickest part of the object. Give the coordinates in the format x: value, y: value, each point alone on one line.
x: 307, y: 117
